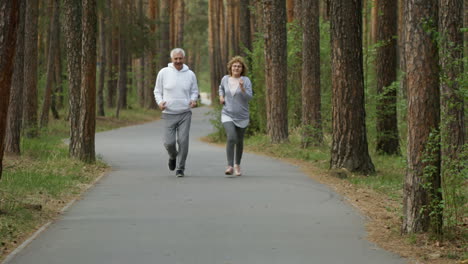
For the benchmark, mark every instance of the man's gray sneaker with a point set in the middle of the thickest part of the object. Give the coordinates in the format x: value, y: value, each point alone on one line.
x: 180, y: 173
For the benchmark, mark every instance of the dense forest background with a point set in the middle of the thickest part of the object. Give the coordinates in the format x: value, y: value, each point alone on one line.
x: 359, y: 78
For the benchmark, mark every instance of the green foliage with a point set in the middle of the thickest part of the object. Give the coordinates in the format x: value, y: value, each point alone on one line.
x: 430, y: 182
x: 215, y: 119
x: 257, y: 76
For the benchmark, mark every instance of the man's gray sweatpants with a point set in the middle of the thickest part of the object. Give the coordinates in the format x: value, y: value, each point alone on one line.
x: 177, y: 130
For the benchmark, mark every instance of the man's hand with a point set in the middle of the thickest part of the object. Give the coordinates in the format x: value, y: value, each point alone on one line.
x: 162, y: 105
x: 193, y: 104
x: 221, y: 100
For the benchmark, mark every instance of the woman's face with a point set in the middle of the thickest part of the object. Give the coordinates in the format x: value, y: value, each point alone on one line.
x: 236, y: 69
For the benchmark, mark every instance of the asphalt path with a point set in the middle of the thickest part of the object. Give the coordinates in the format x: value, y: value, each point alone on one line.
x: 141, y: 213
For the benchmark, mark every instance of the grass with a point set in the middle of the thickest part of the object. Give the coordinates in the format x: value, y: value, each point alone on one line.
x: 36, y: 185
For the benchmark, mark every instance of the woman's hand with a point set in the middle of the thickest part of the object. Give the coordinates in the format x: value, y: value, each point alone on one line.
x: 221, y: 100
x: 241, y: 85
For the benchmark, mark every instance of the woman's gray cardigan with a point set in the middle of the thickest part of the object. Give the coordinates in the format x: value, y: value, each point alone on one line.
x: 237, y: 106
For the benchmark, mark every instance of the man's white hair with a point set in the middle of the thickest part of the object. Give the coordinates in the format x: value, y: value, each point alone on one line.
x: 177, y: 51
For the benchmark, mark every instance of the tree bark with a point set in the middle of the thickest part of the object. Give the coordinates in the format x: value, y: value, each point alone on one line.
x: 164, y: 56
x: 245, y: 32
x: 452, y: 103
x: 15, y: 108
x: 57, y: 93
x: 217, y: 66
x: 72, y: 11
x: 87, y: 123
x: 274, y: 14
x: 53, y: 45
x: 386, y: 65
x: 311, y: 113
x: 123, y: 57
x: 9, y: 16
x: 30, y: 101
x: 423, y: 114
x: 102, y: 62
x: 349, y: 146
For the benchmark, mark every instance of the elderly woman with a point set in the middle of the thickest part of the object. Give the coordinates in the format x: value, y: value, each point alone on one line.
x: 235, y: 92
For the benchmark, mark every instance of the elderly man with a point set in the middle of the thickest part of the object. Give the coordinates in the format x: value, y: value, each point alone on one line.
x: 176, y: 92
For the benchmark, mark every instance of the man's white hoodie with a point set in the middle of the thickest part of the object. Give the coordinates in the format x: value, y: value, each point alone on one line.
x: 176, y: 88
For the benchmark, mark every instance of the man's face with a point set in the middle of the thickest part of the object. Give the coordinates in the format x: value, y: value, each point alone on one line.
x: 178, y: 60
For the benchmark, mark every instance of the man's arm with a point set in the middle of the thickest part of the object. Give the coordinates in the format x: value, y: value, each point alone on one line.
x: 158, y: 91
x: 194, y: 92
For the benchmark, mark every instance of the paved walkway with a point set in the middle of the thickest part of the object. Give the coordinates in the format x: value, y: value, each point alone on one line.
x: 141, y: 213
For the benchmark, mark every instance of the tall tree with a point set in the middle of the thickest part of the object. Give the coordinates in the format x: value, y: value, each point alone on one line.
x: 245, y: 32
x: 233, y: 27
x: 112, y: 53
x: 30, y: 100
x: 386, y: 64
x: 453, y: 127
x: 151, y: 65
x: 15, y: 109
x: 217, y: 65
x: 73, y: 29
x: 141, y: 60
x: 324, y: 10
x: 274, y: 15
x: 164, y: 48
x: 123, y: 55
x: 102, y: 61
x: 422, y: 181
x: 290, y: 10
x: 87, y: 123
x: 9, y: 15
x: 53, y: 45
x: 311, y: 113
x: 349, y: 146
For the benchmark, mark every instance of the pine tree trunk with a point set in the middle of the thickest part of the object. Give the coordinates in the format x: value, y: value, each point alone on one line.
x: 423, y: 114
x: 58, y: 71
x: 290, y: 10
x: 245, y: 33
x: 57, y: 89
x: 311, y: 113
x: 151, y: 64
x: 217, y: 68
x: 30, y: 100
x: 386, y: 65
x: 87, y: 124
x: 102, y: 63
x: 453, y: 127
x: 349, y: 145
x: 164, y: 56
x: 9, y: 16
x: 15, y: 108
x: 53, y: 44
x: 324, y: 10
x: 72, y: 11
x: 276, y: 69
x: 123, y: 57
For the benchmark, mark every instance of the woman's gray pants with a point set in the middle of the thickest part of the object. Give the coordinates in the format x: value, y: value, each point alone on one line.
x: 235, y: 141
x: 177, y: 130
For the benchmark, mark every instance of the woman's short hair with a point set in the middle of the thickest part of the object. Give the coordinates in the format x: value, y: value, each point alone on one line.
x: 240, y: 60
x: 177, y: 51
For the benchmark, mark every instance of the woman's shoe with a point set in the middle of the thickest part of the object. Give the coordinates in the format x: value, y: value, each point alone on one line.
x: 237, y: 170
x: 228, y: 170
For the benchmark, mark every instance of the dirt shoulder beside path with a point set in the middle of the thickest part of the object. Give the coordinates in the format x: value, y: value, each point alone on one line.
x: 383, y: 218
